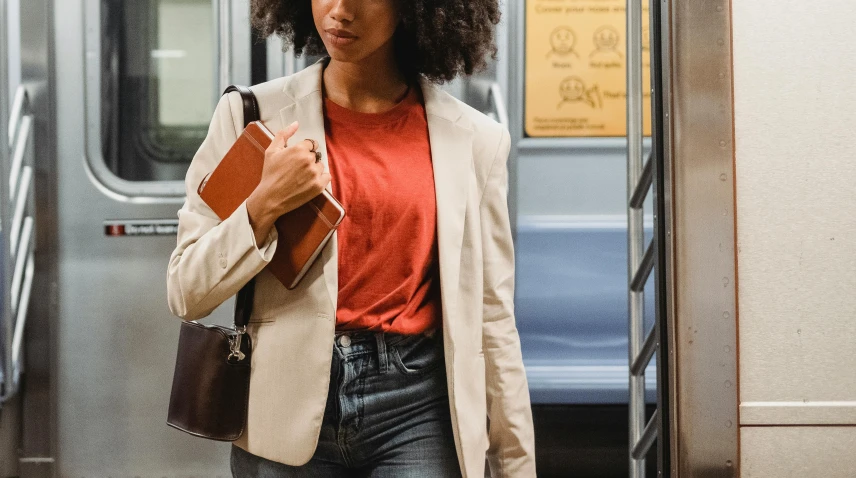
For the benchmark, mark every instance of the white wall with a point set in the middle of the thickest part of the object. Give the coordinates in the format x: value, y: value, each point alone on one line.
x: 795, y: 129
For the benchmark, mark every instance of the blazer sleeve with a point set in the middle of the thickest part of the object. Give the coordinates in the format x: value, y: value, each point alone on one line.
x: 511, y: 433
x: 213, y: 259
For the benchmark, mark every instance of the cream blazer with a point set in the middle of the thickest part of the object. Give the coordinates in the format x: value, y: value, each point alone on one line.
x: 293, y: 330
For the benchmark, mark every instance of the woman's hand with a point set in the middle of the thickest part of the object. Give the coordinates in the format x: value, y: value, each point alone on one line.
x: 291, y: 176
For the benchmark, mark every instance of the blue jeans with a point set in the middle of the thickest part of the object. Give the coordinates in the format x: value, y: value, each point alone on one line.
x: 387, y: 414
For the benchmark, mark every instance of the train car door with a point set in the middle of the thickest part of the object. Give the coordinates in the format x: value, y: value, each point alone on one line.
x: 568, y: 121
x: 136, y: 84
x: 567, y: 105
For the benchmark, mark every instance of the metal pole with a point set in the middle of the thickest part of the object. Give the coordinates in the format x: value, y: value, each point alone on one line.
x: 636, y: 238
x: 660, y: 177
x: 224, y: 27
x: 7, y: 321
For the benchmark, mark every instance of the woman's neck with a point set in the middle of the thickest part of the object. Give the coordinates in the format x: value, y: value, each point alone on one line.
x: 372, y: 85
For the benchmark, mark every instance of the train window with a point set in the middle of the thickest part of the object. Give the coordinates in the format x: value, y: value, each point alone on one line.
x: 574, y: 83
x: 158, y: 81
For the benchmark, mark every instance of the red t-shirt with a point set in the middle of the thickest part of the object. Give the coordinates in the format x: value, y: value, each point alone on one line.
x: 382, y: 174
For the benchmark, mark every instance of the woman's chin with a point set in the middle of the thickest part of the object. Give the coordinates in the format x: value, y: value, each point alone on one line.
x: 340, y: 55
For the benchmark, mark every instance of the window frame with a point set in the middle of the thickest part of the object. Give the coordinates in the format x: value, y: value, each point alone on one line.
x: 95, y: 162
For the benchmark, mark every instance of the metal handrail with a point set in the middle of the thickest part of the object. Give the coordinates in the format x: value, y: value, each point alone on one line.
x: 22, y: 285
x: 637, y: 199
x: 21, y: 99
x: 638, y: 280
x: 18, y: 151
x: 499, y: 104
x: 20, y: 262
x: 20, y: 322
x: 639, y: 260
x: 637, y: 367
x: 20, y: 207
x: 224, y: 26
x: 20, y: 237
x: 649, y: 434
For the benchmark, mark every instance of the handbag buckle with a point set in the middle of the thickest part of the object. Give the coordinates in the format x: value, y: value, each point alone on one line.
x: 235, y: 344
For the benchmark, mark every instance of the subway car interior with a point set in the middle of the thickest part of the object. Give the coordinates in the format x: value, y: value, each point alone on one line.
x: 681, y: 199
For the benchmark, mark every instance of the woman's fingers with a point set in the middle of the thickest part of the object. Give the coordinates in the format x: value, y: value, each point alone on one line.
x: 283, y: 135
x: 313, y: 145
x: 324, y: 179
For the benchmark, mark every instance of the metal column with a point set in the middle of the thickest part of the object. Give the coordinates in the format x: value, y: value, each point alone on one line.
x: 644, y: 258
x: 692, y: 252
x: 635, y: 234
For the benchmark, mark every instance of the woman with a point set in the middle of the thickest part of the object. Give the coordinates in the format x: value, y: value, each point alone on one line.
x: 399, y: 345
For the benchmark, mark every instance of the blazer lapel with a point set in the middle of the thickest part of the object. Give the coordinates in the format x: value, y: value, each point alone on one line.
x: 451, y: 154
x: 308, y: 110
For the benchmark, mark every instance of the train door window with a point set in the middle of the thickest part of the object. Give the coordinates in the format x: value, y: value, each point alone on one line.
x: 152, y: 83
x: 568, y: 111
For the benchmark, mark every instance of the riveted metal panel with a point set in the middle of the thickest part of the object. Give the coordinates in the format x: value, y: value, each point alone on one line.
x: 704, y: 327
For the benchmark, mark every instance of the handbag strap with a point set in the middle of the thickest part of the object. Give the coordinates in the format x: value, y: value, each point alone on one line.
x: 244, y: 299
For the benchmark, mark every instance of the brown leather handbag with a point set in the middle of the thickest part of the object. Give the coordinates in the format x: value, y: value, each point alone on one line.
x: 211, y: 383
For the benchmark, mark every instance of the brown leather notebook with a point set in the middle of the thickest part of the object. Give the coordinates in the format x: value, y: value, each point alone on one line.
x: 303, y: 232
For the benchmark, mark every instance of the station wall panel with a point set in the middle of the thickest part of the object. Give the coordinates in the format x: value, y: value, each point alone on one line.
x: 796, y: 231
x: 791, y: 452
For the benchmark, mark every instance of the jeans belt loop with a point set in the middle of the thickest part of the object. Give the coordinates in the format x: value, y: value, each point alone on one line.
x: 382, y: 362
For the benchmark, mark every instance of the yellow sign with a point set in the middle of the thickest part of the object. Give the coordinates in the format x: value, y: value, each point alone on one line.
x: 575, y: 84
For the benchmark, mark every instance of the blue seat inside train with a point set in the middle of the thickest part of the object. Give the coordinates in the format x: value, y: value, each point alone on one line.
x: 571, y: 310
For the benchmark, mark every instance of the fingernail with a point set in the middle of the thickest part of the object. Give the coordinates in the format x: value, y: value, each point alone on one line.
x: 293, y: 124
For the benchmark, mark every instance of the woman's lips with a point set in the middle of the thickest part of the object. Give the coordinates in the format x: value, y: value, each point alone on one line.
x: 340, y: 38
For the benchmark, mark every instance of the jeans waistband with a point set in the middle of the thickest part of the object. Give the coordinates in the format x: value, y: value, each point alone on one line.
x: 358, y: 336
x: 377, y: 342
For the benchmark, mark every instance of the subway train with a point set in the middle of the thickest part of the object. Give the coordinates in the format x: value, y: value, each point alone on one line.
x: 680, y: 197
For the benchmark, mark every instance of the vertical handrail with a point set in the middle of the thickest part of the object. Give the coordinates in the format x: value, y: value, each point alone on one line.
x: 499, y: 104
x: 486, y: 96
x: 20, y: 237
x: 224, y: 42
x: 5, y: 366
x: 635, y: 234
x: 660, y: 177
